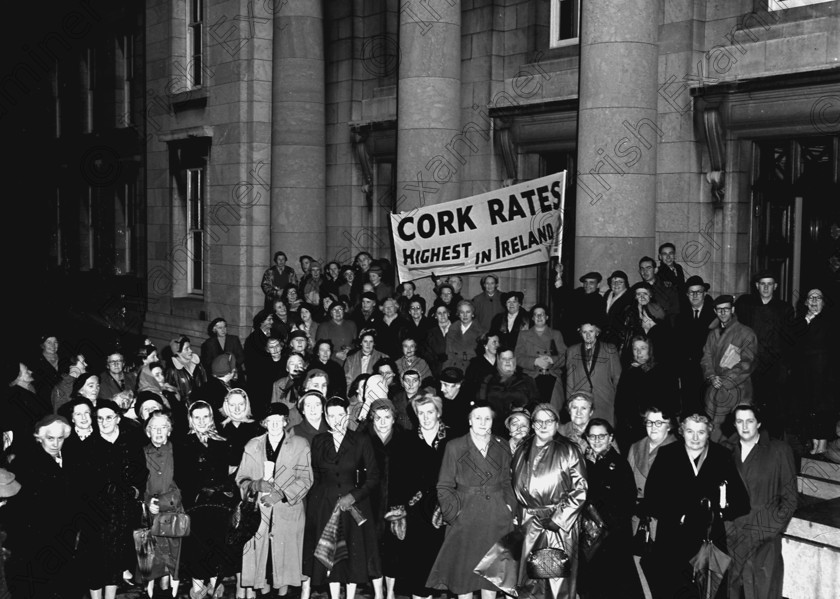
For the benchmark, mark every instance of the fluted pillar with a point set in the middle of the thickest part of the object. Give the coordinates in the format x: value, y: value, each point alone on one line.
x: 429, y: 101
x: 298, y: 132
x: 617, y: 135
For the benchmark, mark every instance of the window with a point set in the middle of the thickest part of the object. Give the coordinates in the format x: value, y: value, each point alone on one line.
x: 565, y: 23
x: 86, y: 231
x: 195, y: 230
x: 773, y: 5
x: 195, y: 43
x: 124, y: 203
x: 88, y: 88
x: 125, y: 75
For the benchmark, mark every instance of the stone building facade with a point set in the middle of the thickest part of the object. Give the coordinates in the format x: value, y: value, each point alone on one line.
x: 301, y: 124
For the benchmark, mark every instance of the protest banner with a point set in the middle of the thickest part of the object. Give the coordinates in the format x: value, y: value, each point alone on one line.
x: 511, y: 227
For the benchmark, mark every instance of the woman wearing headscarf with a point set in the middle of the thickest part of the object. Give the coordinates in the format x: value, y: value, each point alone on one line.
x: 151, y: 384
x: 549, y: 479
x: 276, y: 465
x: 201, y: 473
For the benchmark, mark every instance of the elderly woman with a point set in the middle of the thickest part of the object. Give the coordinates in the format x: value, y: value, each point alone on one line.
x: 657, y: 423
x: 644, y: 317
x: 185, y: 371
x: 541, y: 352
x: 595, y: 368
x: 202, y: 475
x: 124, y: 475
x: 462, y: 337
x: 114, y: 380
x: 162, y: 495
x: 476, y: 500
x: 239, y: 426
x: 415, y: 490
x: 690, y: 484
x: 345, y: 475
x: 277, y: 466
x: 392, y: 328
x: 311, y: 405
x: 518, y: 425
x: 644, y: 382
x: 549, y: 479
x: 580, y: 407
x: 612, y: 492
x: 38, y: 521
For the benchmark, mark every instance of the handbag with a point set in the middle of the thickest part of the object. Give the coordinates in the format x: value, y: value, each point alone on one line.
x: 547, y: 562
x: 245, y: 521
x: 171, y: 524
x: 593, y: 531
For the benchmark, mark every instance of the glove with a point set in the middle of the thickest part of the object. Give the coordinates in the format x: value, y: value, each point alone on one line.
x: 261, y: 486
x: 398, y: 528
x: 549, y: 524
x: 345, y: 502
x: 272, y: 498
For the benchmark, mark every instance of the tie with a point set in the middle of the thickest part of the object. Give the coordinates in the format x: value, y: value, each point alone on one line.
x: 696, y: 314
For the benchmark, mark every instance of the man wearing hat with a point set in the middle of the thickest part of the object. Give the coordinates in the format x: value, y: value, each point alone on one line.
x: 729, y: 358
x: 456, y: 401
x: 772, y: 320
x: 214, y: 391
x: 514, y: 319
x: 692, y: 328
x: 488, y: 303
x: 584, y: 304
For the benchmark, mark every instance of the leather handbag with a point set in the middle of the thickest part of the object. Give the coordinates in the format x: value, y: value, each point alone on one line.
x: 171, y: 524
x: 593, y: 531
x: 547, y: 562
x: 245, y: 521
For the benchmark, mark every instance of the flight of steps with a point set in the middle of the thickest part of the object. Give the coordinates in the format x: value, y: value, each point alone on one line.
x: 811, y: 543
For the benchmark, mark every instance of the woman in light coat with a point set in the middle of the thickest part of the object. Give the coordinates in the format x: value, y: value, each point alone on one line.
x: 281, y: 489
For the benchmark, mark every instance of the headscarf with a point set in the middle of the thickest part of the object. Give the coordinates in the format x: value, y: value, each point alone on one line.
x: 211, y: 432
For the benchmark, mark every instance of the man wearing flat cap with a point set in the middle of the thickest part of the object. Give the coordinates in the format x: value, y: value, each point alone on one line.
x: 514, y: 319
x: 584, y: 304
x: 729, y: 358
x: 691, y: 329
x: 772, y: 320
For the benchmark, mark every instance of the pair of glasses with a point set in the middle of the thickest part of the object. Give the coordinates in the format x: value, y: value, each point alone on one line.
x: 654, y: 423
x: 601, y: 437
x: 542, y: 423
x: 116, y: 361
x: 105, y: 418
x: 723, y: 309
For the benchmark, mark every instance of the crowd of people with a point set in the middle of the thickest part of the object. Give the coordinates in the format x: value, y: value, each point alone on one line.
x: 391, y: 440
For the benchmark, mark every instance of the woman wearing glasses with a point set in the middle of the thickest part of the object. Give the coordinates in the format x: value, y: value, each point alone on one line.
x: 549, y: 479
x: 612, y: 491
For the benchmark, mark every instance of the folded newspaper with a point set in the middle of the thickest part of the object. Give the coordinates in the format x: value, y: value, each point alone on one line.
x: 731, y: 356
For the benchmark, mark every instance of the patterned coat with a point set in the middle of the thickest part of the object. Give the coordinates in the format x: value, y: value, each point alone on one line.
x: 600, y: 379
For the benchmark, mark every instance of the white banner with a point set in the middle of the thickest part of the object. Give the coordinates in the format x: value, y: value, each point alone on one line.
x: 514, y: 226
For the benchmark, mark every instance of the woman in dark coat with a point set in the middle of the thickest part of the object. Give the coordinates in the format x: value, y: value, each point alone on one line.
x: 389, y: 443
x: 612, y: 491
x: 263, y: 371
x: 683, y: 489
x: 201, y: 473
x: 238, y: 427
x: 124, y: 477
x: 645, y: 317
x: 39, y: 525
x: 476, y: 500
x: 644, y: 382
x: 415, y: 489
x: 434, y: 348
x: 185, y: 371
x: 311, y: 406
x: 344, y: 478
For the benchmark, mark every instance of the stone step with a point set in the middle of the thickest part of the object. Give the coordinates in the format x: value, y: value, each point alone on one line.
x: 820, y: 468
x: 811, y: 550
x: 822, y: 488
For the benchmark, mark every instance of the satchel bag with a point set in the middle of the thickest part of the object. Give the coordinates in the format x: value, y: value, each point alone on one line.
x: 245, y: 521
x: 547, y: 562
x: 171, y: 524
x: 593, y: 531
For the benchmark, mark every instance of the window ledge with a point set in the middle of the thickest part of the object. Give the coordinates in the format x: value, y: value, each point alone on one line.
x: 190, y: 99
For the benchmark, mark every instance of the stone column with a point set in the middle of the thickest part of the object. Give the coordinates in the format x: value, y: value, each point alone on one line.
x: 298, y: 132
x: 428, y: 102
x: 617, y: 135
